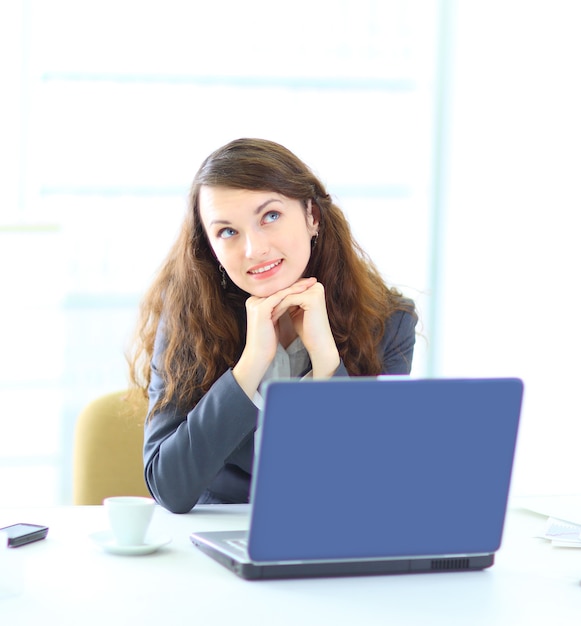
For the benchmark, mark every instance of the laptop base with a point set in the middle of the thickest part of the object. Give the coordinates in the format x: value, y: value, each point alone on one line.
x: 211, y: 543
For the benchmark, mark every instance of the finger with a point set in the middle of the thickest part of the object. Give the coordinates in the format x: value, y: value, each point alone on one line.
x: 299, y: 287
x: 281, y: 310
x: 310, y: 299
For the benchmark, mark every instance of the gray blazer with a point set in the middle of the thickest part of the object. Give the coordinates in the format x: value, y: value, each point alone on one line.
x: 206, y: 456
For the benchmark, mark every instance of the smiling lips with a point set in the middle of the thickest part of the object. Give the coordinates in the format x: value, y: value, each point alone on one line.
x: 264, y: 268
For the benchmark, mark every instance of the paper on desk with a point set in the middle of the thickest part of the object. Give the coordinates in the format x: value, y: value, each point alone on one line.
x: 562, y: 534
x: 566, y: 508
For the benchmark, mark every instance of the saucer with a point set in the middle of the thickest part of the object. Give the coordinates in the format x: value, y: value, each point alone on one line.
x: 104, y: 539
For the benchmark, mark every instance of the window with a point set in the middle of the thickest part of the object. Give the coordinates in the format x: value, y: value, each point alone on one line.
x: 116, y: 104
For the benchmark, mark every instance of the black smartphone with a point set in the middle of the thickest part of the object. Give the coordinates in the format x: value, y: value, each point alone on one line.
x: 20, y: 534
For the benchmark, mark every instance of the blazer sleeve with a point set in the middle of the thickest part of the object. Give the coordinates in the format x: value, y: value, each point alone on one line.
x: 183, y: 453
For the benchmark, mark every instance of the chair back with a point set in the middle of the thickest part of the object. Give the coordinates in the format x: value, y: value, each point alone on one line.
x: 108, y: 449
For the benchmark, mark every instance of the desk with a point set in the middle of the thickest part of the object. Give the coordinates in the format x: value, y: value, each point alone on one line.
x: 66, y: 580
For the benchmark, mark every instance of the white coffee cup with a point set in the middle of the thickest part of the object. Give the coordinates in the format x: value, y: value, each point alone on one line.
x: 129, y: 518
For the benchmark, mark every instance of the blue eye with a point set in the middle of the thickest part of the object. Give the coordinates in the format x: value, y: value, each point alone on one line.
x: 226, y: 233
x: 271, y: 216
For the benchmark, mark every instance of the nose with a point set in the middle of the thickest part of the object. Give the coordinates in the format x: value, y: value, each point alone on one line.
x: 256, y: 245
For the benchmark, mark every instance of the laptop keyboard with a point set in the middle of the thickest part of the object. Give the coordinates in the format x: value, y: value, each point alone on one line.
x: 241, y: 544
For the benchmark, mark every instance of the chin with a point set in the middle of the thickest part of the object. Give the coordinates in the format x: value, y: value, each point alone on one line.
x: 267, y: 289
x: 262, y: 292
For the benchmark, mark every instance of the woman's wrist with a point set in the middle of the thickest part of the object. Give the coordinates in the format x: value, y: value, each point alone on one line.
x: 325, y: 365
x: 248, y: 374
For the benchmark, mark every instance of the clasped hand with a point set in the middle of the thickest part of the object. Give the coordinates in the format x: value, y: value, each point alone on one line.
x: 304, y: 301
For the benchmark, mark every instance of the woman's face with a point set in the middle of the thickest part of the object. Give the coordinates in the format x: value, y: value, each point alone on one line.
x: 261, y: 238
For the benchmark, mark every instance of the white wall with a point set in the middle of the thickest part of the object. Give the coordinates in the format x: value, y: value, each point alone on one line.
x: 110, y: 106
x: 510, y: 301
x: 506, y: 295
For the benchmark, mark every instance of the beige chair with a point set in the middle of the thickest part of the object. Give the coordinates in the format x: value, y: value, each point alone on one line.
x: 107, y: 455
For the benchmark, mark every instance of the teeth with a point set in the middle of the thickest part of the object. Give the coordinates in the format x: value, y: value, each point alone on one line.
x: 265, y: 268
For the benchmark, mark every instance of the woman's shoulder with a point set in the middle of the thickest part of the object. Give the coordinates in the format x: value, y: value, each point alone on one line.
x: 399, y: 337
x: 401, y: 304
x: 403, y: 317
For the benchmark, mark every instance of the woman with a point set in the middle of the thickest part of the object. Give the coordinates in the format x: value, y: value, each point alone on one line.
x: 264, y: 281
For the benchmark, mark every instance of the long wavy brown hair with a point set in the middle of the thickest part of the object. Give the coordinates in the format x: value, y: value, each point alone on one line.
x: 204, y: 324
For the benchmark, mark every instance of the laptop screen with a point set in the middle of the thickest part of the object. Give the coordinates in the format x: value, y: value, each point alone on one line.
x: 360, y: 467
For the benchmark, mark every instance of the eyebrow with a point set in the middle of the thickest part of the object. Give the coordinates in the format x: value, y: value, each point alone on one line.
x: 257, y: 210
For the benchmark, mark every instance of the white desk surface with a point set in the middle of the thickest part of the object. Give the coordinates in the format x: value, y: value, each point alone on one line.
x: 67, y: 580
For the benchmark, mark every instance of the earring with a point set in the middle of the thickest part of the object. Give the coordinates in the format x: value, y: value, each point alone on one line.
x: 314, y: 239
x: 223, y: 279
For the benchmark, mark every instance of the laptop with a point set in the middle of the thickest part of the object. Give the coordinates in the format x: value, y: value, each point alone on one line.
x: 358, y: 476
